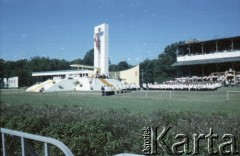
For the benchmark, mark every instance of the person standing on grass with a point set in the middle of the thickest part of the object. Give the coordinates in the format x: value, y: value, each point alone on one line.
x: 103, y: 89
x: 106, y: 90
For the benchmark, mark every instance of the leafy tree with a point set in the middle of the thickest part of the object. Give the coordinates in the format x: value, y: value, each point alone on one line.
x: 147, y: 67
x: 113, y: 67
x: 9, y: 68
x: 2, y: 71
x: 39, y: 64
x: 163, y: 65
x: 123, y: 65
x: 89, y: 57
x: 25, y: 78
x: 77, y: 61
x: 2, y: 67
x: 149, y: 74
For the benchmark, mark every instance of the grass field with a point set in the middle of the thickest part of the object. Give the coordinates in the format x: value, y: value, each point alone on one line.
x: 135, y: 101
x: 90, y: 124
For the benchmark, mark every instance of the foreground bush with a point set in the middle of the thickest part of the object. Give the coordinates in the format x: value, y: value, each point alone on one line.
x: 95, y: 132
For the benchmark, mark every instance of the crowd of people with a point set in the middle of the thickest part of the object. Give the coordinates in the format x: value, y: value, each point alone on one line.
x: 175, y: 85
x: 110, y: 90
x: 107, y: 90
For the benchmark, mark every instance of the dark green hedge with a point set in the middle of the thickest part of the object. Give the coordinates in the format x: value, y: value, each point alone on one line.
x: 95, y: 132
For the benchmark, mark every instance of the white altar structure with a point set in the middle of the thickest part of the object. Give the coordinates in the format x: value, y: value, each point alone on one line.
x: 86, y: 78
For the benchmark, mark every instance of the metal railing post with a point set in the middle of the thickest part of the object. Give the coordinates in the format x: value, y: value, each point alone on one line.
x: 170, y: 94
x: 23, y: 144
x: 227, y: 96
x: 46, y: 149
x: 146, y: 94
x: 4, y: 147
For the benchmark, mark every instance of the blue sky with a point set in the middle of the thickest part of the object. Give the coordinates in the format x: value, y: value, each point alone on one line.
x: 139, y: 29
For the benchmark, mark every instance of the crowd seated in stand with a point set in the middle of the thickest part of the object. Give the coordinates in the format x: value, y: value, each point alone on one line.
x: 213, y: 51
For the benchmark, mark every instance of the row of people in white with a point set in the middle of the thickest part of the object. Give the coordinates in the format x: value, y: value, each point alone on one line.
x: 118, y: 88
x: 131, y: 86
x: 184, y: 86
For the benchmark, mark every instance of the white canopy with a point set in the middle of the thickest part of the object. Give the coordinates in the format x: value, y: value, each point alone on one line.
x: 83, y: 66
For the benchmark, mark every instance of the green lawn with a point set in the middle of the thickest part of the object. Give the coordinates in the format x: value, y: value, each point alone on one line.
x: 200, y: 101
x: 83, y: 120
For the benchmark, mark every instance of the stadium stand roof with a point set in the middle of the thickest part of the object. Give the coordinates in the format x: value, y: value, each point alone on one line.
x: 209, y: 41
x: 209, y: 61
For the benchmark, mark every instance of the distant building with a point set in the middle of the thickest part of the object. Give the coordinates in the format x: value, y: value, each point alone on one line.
x: 11, y: 82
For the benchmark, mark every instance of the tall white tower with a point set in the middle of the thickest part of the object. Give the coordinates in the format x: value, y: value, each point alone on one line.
x: 101, y: 48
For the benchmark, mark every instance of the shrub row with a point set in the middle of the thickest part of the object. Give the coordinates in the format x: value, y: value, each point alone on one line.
x: 96, y: 132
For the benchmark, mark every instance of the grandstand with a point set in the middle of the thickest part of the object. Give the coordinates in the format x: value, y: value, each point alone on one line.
x: 205, y: 65
x: 215, y: 60
x: 210, y: 56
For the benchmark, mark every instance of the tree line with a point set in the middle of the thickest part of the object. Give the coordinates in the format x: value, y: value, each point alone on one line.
x: 156, y: 70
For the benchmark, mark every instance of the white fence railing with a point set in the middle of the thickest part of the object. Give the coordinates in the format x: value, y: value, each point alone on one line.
x: 46, y: 140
